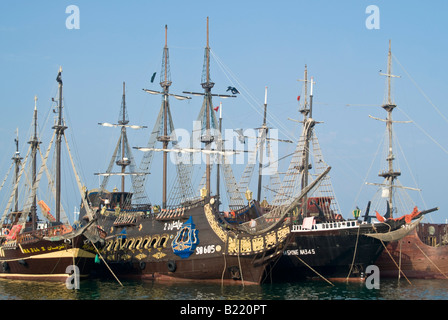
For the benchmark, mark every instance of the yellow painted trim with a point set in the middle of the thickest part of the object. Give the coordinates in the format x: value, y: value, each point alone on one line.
x: 69, y: 253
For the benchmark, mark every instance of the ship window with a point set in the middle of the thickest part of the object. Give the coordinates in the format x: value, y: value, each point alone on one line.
x: 117, y: 244
x: 138, y: 243
x: 163, y: 241
x: 146, y: 242
x: 131, y: 244
x: 154, y: 242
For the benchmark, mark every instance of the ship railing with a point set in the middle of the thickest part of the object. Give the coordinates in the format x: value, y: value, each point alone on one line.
x: 325, y: 226
x: 11, y: 244
x: 29, y: 237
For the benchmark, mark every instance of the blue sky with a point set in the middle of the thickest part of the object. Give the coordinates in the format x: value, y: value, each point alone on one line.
x: 263, y: 43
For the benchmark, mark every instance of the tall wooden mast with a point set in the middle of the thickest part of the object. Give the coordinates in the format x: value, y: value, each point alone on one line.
x: 307, y: 112
x: 264, y: 132
x: 123, y: 162
x: 59, y: 127
x: 391, y: 174
x: 34, y: 142
x: 125, y: 157
x: 165, y: 83
x: 164, y: 128
x: 17, y: 161
x: 207, y: 85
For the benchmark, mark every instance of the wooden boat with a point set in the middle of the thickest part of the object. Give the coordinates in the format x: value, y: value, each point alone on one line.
x: 322, y: 244
x: 421, y: 253
x: 49, y: 249
x: 185, y: 239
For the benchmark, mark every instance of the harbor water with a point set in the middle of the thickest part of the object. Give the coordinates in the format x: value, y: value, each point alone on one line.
x: 389, y: 289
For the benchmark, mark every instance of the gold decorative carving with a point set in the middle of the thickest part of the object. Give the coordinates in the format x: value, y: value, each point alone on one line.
x: 258, y: 244
x: 213, y: 223
x: 271, y: 239
x: 159, y: 255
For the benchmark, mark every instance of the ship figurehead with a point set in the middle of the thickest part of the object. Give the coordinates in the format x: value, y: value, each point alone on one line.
x: 186, y: 239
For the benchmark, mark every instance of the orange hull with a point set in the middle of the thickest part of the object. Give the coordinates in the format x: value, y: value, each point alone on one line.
x: 414, y: 258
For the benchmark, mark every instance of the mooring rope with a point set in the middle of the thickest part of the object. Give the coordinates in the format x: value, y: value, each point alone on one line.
x: 354, y: 253
x: 99, y: 254
x: 314, y: 271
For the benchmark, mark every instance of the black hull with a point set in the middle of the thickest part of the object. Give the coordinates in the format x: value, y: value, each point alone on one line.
x: 148, y: 246
x: 339, y: 254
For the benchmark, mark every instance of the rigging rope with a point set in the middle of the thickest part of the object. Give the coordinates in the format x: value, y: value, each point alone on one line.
x: 426, y: 133
x: 421, y: 91
x: 227, y: 72
x: 354, y: 253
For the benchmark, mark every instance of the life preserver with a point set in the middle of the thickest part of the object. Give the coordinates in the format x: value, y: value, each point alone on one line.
x: 171, y: 266
x: 142, y: 265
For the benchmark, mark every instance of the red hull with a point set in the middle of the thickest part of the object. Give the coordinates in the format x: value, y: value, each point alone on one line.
x: 414, y: 258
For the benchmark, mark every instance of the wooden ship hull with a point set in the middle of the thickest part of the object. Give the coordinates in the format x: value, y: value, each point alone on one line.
x: 423, y: 254
x: 187, y: 244
x: 31, y: 257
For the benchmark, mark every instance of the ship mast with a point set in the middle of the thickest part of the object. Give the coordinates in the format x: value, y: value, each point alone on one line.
x: 17, y: 161
x: 123, y: 162
x: 165, y: 83
x: 264, y: 133
x: 125, y: 158
x: 165, y: 138
x: 34, y: 142
x: 391, y: 174
x: 207, y: 85
x: 59, y: 128
x: 218, y: 177
x: 307, y: 112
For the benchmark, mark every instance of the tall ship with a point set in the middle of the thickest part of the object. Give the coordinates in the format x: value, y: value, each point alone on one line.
x: 44, y: 247
x: 322, y: 244
x: 422, y: 253
x: 187, y: 238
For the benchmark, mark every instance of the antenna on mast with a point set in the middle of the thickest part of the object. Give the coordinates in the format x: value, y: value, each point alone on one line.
x: 264, y: 131
x: 306, y: 110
